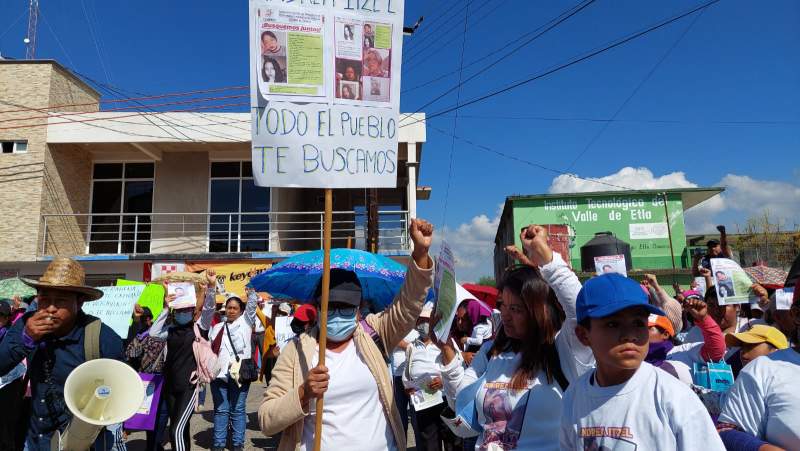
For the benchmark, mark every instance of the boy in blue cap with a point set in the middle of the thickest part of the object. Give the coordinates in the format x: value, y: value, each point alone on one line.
x: 626, y: 403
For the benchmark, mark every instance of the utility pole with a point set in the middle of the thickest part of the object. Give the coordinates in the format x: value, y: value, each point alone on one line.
x: 33, y: 25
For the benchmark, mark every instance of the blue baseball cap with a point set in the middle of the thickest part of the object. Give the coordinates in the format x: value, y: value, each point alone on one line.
x: 607, y: 294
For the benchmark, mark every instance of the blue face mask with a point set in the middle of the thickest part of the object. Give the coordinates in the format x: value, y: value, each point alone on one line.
x: 340, y: 327
x: 184, y: 318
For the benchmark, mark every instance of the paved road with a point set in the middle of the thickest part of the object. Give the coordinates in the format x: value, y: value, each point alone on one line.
x: 202, y: 427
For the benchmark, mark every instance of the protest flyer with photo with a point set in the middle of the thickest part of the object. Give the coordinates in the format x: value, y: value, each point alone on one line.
x: 185, y: 295
x: 325, y: 93
x: 610, y: 264
x: 730, y: 281
x: 290, y: 58
x: 445, y: 291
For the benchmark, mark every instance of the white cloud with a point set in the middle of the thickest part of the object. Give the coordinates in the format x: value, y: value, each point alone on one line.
x: 473, y: 242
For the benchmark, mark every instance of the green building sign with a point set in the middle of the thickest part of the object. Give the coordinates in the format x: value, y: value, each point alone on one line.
x: 638, y: 218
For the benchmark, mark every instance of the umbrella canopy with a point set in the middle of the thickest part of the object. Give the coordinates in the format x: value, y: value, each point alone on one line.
x: 484, y: 293
x: 297, y: 277
x: 767, y: 277
x: 462, y: 294
x: 15, y: 287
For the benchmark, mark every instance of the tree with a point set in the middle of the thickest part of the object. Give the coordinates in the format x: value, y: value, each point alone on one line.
x: 765, y: 238
x: 487, y: 281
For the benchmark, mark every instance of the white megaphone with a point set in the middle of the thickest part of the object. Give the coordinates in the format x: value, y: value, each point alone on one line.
x: 99, y: 392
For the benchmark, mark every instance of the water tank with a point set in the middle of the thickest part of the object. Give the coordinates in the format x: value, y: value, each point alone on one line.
x: 604, y: 244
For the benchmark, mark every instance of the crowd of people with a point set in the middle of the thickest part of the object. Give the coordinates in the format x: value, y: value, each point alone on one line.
x: 612, y: 363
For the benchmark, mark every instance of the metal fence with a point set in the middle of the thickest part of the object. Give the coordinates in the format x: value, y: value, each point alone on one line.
x: 151, y: 233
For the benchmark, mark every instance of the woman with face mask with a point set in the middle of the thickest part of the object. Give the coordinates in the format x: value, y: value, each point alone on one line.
x: 176, y: 326
x: 359, y: 409
x: 423, y: 383
x: 229, y: 392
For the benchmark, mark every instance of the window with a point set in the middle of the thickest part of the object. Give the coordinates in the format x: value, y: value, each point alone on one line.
x: 122, y: 200
x: 237, y: 205
x: 14, y: 146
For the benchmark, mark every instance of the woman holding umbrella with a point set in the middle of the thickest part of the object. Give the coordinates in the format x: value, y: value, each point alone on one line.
x: 359, y: 412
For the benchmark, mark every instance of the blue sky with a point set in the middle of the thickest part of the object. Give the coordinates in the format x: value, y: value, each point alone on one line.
x: 685, y: 126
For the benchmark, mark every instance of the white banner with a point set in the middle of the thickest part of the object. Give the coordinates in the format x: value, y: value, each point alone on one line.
x: 115, y: 307
x: 325, y: 92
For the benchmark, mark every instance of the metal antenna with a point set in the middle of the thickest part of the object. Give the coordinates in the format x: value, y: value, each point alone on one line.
x: 33, y: 24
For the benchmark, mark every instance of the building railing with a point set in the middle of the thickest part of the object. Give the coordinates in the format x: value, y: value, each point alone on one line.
x: 214, y: 232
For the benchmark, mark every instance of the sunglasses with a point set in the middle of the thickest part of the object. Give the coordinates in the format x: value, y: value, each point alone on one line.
x: 342, y: 311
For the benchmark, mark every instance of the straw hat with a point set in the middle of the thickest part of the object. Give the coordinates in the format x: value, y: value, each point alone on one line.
x: 66, y: 274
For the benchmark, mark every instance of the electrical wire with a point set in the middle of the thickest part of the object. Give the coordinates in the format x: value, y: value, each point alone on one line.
x: 78, y: 121
x: 488, y: 54
x: 455, y: 121
x: 531, y: 163
x: 58, y: 41
x: 126, y: 99
x: 439, y: 45
x: 559, y: 67
x: 96, y: 44
x: 641, y: 83
x: 451, y: 18
x: 556, y: 22
x: 130, y: 107
x: 12, y: 24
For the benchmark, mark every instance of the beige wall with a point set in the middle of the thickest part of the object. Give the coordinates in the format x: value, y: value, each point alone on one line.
x: 35, y: 88
x: 181, y: 186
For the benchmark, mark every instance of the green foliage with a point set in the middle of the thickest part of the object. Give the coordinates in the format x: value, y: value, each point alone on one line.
x: 487, y: 280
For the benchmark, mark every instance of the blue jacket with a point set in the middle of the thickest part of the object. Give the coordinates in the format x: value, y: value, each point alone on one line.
x: 49, y: 363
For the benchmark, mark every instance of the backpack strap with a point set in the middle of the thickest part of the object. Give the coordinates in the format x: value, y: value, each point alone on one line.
x: 375, y: 338
x: 558, y: 372
x: 91, y: 340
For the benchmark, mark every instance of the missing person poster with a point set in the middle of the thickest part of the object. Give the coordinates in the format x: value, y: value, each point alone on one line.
x: 730, y: 281
x: 444, y: 285
x: 610, y: 263
x: 325, y: 92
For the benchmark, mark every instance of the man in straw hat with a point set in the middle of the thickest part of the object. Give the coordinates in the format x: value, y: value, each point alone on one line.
x: 52, y: 339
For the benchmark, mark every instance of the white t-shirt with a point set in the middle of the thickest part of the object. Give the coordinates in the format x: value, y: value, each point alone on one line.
x: 652, y: 410
x: 765, y: 401
x: 353, y: 416
x: 480, y: 333
x: 398, y: 360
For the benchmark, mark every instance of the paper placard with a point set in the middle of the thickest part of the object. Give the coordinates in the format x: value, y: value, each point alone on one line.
x: 445, y: 291
x: 610, y: 264
x: 325, y: 92
x: 145, y: 418
x: 115, y: 307
x: 730, y: 281
x: 185, y: 295
x: 784, y: 298
x: 283, y: 331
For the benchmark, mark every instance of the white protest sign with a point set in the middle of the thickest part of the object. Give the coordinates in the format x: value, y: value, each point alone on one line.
x: 445, y: 289
x: 784, y: 298
x: 730, y: 281
x: 610, y: 263
x: 283, y: 330
x: 115, y: 307
x: 185, y: 295
x: 325, y: 92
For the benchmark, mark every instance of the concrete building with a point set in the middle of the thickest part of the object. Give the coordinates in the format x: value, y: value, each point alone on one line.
x: 132, y: 194
x: 635, y: 217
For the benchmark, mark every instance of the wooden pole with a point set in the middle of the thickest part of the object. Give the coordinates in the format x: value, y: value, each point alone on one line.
x: 323, y: 307
x: 669, y: 234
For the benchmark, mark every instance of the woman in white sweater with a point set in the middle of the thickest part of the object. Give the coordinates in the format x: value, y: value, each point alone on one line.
x: 523, y: 373
x: 233, y: 336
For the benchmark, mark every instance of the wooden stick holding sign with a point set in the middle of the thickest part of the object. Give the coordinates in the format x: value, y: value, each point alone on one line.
x: 323, y: 304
